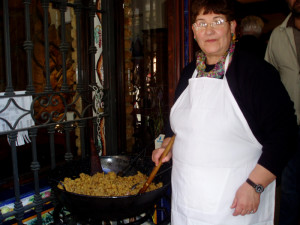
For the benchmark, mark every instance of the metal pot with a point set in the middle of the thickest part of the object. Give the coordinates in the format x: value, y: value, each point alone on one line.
x: 110, y: 208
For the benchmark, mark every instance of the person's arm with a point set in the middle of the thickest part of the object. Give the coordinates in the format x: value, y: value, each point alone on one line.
x: 247, y: 200
x: 260, y: 175
x: 269, y: 55
x: 273, y: 123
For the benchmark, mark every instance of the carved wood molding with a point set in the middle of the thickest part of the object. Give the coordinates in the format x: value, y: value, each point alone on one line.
x: 175, y: 44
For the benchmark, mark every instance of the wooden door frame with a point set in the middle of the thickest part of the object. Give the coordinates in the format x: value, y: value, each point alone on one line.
x: 176, y: 43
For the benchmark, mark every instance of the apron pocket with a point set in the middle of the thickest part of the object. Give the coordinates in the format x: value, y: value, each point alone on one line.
x: 201, y: 190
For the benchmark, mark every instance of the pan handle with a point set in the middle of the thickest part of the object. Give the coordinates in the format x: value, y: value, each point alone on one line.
x: 59, y: 182
x: 156, y: 168
x: 62, y: 184
x: 127, y: 168
x: 133, y: 161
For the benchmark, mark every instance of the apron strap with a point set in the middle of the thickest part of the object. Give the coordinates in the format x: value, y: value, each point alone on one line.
x: 226, y: 64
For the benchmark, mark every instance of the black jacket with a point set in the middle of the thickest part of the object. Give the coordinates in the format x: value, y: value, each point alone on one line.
x: 253, y: 45
x: 265, y: 103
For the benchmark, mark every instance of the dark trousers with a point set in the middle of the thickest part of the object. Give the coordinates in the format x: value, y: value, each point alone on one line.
x: 289, y: 213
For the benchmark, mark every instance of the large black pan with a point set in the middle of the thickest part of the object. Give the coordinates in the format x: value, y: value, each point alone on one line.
x: 110, y: 208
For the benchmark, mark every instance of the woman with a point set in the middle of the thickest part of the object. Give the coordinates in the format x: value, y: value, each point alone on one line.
x: 235, y: 128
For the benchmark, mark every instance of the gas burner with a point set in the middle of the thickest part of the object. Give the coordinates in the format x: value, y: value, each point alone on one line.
x: 144, y: 219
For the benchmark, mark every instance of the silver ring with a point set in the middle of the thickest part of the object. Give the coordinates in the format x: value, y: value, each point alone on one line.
x: 252, y: 212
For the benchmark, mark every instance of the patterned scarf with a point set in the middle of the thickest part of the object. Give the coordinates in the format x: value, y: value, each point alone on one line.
x: 218, y: 70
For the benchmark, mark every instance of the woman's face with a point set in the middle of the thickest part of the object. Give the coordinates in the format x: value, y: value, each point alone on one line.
x: 214, y: 41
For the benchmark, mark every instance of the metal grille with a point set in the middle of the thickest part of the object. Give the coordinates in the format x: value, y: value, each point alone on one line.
x: 42, y: 115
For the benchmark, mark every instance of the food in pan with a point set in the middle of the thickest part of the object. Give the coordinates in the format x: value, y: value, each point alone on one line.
x: 108, y: 184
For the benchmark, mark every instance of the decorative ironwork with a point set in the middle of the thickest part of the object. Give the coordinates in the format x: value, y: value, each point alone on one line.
x: 35, y: 166
x: 77, y: 9
x: 51, y: 131
x: 92, y: 47
x: 45, y: 5
x: 53, y: 109
x: 18, y: 206
x: 28, y: 46
x: 9, y: 88
x: 64, y: 47
x: 99, y: 108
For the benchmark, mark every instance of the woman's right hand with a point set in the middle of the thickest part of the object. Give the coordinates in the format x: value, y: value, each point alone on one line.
x: 159, y: 151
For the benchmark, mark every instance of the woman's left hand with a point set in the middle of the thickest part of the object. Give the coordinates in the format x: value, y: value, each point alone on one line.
x: 246, y: 200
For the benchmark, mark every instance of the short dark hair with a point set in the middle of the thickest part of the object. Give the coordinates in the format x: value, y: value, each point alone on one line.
x: 225, y: 7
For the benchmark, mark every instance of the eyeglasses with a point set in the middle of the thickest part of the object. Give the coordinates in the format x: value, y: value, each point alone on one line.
x: 199, y: 24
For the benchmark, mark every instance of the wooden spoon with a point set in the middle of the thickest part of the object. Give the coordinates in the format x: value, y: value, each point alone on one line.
x: 156, y: 168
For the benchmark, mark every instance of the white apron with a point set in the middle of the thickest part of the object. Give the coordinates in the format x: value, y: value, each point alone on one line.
x: 213, y: 154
